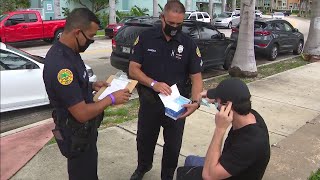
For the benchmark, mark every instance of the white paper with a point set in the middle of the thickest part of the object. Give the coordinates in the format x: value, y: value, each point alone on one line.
x: 115, y: 85
x: 168, y: 100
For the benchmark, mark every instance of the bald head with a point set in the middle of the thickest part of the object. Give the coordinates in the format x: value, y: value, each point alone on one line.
x: 174, y: 6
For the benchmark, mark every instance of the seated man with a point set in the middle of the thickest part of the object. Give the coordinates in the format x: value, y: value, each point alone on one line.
x: 246, y: 151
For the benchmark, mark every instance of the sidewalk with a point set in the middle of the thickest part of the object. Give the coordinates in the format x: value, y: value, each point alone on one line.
x: 287, y: 101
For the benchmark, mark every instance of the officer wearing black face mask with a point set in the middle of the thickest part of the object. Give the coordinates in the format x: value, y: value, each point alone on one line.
x: 75, y: 114
x: 162, y: 57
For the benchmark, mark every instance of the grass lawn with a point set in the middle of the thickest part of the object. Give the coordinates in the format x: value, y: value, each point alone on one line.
x: 315, y: 175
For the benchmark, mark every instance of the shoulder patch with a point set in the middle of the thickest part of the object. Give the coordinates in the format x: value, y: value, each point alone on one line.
x: 136, y: 41
x: 65, y: 77
x: 198, y: 52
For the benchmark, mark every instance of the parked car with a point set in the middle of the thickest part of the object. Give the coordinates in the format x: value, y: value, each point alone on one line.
x: 198, y: 16
x: 272, y: 36
x: 258, y: 13
x: 215, y: 48
x: 21, y: 79
x: 112, y: 29
x: 28, y: 25
x: 227, y: 20
x: 287, y: 13
x: 278, y: 15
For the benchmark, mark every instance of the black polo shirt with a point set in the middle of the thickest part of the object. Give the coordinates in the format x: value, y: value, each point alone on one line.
x: 166, y: 61
x: 65, y: 77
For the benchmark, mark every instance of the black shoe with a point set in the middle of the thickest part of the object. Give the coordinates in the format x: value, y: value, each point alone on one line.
x: 138, y: 174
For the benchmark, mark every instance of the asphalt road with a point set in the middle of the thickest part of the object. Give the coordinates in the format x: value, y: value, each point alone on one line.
x: 98, y: 57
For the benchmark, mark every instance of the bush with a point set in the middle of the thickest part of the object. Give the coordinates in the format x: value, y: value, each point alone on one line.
x: 315, y: 175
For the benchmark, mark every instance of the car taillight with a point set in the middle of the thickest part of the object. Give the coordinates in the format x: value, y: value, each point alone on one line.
x: 262, y: 33
x: 114, y: 44
x: 262, y: 45
x: 234, y: 30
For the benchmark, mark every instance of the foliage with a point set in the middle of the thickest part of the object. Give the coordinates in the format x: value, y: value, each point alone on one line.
x: 135, y: 11
x: 161, y: 8
x: 65, y: 11
x: 96, y: 5
x: 11, y: 5
x: 104, y: 18
x: 315, y: 175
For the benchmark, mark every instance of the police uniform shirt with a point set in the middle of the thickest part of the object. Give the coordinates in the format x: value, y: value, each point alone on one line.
x: 65, y: 77
x: 166, y: 61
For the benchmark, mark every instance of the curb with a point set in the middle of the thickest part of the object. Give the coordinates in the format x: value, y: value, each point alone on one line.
x: 14, y: 131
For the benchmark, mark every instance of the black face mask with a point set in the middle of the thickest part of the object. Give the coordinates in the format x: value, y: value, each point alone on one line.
x: 170, y: 30
x: 86, y: 45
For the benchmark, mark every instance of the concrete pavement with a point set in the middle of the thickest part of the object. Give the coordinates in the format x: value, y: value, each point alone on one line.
x: 287, y: 101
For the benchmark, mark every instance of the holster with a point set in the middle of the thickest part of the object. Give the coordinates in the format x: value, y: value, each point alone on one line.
x: 76, y: 137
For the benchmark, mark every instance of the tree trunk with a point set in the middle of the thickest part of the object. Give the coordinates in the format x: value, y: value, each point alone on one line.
x: 223, y: 7
x: 211, y: 8
x: 244, y: 62
x: 112, y: 11
x: 271, y: 5
x: 263, y: 5
x: 312, y: 48
x: 155, y: 8
x: 234, y: 5
x: 188, y: 5
x: 300, y: 8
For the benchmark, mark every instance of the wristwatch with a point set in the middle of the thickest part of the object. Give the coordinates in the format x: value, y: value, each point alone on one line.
x: 196, y: 101
x: 153, y: 83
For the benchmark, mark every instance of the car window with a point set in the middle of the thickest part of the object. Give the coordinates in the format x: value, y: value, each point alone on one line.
x: 200, y: 16
x: 19, y: 18
x: 11, y: 61
x: 2, y: 16
x: 32, y: 17
x: 262, y: 25
x: 208, y: 33
x: 193, y: 16
x: 206, y: 15
x: 191, y: 30
x: 287, y: 27
x: 279, y: 26
x: 186, y: 16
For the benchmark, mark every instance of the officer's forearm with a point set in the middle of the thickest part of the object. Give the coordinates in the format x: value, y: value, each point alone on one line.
x: 136, y: 73
x: 197, y: 86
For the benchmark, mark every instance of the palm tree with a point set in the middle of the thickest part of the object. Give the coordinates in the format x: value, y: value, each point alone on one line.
x: 244, y: 62
x: 211, y: 8
x: 112, y: 11
x: 188, y: 5
x: 312, y: 47
x: 155, y: 8
x: 223, y: 7
x: 234, y: 4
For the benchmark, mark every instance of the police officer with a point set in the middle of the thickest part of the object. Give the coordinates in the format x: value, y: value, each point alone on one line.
x: 164, y: 56
x: 75, y: 114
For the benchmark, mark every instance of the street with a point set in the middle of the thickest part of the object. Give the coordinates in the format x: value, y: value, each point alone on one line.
x: 98, y: 58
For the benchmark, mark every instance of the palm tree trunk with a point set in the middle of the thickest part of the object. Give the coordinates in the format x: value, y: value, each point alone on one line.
x: 312, y: 47
x: 223, y: 7
x: 188, y: 5
x: 300, y: 8
x: 244, y: 62
x: 112, y: 11
x: 155, y: 8
x: 234, y: 5
x: 211, y: 8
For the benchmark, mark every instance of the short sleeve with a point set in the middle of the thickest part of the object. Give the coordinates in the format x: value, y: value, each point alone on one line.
x: 66, y: 87
x: 195, y: 61
x: 237, y: 158
x: 137, y: 51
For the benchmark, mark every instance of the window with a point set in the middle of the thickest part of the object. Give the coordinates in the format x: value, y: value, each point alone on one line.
x: 32, y: 17
x: 279, y: 27
x: 287, y: 27
x: 206, y: 15
x: 208, y: 33
x: 191, y: 30
x: 10, y: 61
x: 193, y: 17
x: 200, y: 16
x: 18, y: 18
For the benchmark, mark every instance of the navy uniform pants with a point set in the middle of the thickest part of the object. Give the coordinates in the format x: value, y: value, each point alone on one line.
x: 151, y: 117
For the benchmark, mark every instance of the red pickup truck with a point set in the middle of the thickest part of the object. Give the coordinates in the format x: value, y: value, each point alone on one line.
x: 28, y: 25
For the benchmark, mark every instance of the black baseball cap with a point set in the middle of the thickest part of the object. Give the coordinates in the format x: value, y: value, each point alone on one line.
x: 232, y: 89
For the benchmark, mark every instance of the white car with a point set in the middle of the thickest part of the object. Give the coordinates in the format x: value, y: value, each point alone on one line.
x: 198, y: 16
x: 22, y: 85
x: 227, y: 20
x: 258, y: 13
x: 278, y: 15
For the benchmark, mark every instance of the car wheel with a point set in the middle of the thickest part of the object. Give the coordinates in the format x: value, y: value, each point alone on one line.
x: 58, y: 34
x: 299, y: 48
x: 48, y: 40
x: 229, y: 25
x: 273, y: 53
x: 228, y: 60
